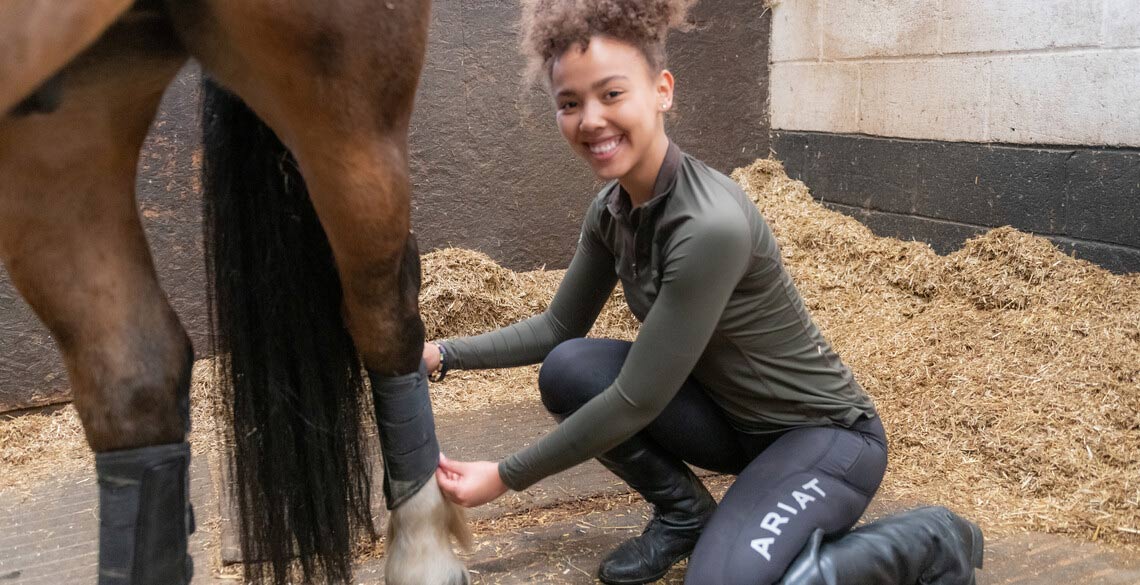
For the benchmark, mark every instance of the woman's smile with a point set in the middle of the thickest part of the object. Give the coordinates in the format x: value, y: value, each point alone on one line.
x: 606, y: 148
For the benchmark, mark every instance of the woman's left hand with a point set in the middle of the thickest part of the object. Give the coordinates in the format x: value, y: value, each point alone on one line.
x: 469, y: 484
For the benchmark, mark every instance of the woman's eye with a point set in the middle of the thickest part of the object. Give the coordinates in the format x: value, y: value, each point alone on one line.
x: 568, y: 105
x: 613, y: 93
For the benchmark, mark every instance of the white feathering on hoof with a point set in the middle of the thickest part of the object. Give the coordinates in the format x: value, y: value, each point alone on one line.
x: 419, y: 540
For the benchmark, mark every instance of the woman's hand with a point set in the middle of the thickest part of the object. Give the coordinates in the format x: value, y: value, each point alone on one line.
x: 469, y: 484
x: 431, y: 357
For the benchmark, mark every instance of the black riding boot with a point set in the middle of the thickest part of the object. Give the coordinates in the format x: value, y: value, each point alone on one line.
x: 681, y: 508
x: 927, y: 546
x: 145, y: 517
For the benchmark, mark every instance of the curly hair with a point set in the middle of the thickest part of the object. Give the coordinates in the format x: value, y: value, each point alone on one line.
x: 550, y: 27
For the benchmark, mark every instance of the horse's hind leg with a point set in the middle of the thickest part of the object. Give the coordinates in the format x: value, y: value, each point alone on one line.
x: 336, y: 82
x: 72, y: 242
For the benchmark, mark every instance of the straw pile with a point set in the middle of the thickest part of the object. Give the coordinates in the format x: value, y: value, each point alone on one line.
x: 1007, y: 374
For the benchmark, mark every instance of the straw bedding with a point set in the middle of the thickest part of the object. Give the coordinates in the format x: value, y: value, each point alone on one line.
x: 1007, y: 374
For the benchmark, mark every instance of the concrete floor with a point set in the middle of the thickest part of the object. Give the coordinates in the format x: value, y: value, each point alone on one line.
x: 48, y: 534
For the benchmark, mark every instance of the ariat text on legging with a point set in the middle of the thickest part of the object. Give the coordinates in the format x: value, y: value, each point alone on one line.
x: 773, y: 520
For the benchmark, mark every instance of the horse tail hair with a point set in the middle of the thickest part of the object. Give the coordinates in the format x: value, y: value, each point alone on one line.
x: 287, y: 370
x: 457, y: 526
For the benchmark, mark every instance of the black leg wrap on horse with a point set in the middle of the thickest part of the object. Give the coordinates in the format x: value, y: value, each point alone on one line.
x: 145, y: 517
x: 407, y: 433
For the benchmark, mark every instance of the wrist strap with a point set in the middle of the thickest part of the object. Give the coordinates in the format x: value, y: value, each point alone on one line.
x: 441, y: 373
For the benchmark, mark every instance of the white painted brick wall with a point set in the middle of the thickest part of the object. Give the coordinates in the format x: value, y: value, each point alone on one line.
x: 877, y: 28
x: 1020, y: 71
x: 815, y: 96
x: 795, y: 31
x: 1089, y: 98
x: 1002, y: 25
x: 892, y: 104
x: 1122, y: 23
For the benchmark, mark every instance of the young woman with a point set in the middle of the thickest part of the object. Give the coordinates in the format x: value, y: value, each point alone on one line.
x: 728, y: 371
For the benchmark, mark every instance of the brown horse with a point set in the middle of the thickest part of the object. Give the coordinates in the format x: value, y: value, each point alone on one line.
x: 315, y: 275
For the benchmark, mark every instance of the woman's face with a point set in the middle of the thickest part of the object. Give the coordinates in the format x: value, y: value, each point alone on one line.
x: 610, y: 104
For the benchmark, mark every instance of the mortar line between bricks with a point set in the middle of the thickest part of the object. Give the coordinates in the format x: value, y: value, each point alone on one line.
x: 88, y: 543
x: 73, y: 506
x: 43, y: 543
x: 1048, y: 235
x: 67, y: 559
x: 1103, y: 32
x: 60, y: 504
x: 40, y: 577
x: 49, y: 524
x: 63, y: 500
x: 965, y: 55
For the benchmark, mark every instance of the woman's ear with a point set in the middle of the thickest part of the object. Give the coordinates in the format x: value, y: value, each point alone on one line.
x: 664, y: 88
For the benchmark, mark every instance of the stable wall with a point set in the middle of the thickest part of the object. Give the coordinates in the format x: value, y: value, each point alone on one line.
x: 492, y: 172
x: 937, y: 119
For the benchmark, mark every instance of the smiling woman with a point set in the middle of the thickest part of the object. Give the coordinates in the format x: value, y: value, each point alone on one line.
x: 728, y: 371
x: 610, y: 105
x: 605, y: 66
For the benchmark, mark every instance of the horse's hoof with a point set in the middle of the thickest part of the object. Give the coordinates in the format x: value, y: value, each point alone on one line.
x: 455, y: 578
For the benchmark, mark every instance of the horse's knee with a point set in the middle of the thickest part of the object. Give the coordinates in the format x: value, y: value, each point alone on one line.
x: 134, y: 393
x: 383, y: 312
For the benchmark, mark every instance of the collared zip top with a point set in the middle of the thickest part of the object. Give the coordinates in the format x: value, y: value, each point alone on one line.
x: 701, y: 270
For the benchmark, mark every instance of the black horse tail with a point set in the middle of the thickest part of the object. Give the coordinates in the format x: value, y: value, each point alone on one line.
x: 287, y: 369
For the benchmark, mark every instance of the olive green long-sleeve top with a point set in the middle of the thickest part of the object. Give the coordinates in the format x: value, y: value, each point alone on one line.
x: 702, y: 272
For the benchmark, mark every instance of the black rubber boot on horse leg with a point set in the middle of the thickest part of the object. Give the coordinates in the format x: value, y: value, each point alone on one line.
x: 681, y: 508
x: 407, y: 433
x: 145, y: 517
x: 926, y: 546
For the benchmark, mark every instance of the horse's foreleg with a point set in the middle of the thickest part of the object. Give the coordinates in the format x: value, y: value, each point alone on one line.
x: 380, y: 272
x: 71, y: 239
x: 336, y: 83
x: 421, y: 519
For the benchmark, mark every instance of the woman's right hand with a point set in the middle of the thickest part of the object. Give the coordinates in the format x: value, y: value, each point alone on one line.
x: 431, y: 357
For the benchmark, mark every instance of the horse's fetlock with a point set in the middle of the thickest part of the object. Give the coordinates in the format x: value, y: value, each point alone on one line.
x: 419, y: 540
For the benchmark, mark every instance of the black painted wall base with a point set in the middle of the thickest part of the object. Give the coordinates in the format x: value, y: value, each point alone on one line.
x: 1086, y: 200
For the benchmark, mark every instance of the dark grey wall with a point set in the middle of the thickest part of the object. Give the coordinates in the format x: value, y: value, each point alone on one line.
x: 1085, y: 199
x: 490, y: 170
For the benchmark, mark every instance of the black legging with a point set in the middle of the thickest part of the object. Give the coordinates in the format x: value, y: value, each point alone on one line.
x: 789, y: 483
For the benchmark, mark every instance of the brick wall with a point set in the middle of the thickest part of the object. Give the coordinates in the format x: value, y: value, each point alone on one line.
x: 939, y: 119
x: 1061, y: 72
